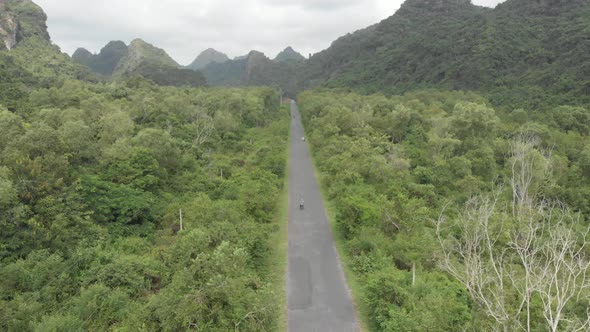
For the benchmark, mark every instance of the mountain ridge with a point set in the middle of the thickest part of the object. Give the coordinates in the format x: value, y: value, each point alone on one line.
x: 207, y: 57
x: 106, y: 61
x: 254, y: 69
x: 288, y: 55
x: 513, y: 52
x: 140, y: 51
x: 118, y: 61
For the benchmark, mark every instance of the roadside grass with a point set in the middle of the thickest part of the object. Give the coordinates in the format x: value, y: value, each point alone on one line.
x: 279, y: 243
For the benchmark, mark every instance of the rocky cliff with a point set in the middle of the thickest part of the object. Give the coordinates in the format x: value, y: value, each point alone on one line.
x: 20, y: 20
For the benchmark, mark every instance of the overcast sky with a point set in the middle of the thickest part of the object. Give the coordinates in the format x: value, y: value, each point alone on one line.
x: 184, y: 28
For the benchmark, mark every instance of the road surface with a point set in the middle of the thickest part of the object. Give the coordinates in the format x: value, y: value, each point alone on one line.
x: 318, y: 298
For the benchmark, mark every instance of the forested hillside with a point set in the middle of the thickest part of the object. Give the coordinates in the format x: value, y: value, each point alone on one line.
x: 453, y: 216
x: 26, y: 50
x: 21, y: 20
x: 92, y: 181
x: 104, y: 62
x: 28, y: 59
x: 118, y: 61
x: 452, y: 142
x: 95, y: 179
x: 255, y: 70
x: 523, y: 53
x: 527, y: 53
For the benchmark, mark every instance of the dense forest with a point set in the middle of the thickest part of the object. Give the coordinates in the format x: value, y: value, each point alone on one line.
x: 452, y: 142
x: 93, y: 179
x: 453, y: 216
x: 529, y: 53
x: 131, y: 206
x: 117, y: 61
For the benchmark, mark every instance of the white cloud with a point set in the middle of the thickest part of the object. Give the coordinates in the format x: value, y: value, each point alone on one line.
x: 186, y: 27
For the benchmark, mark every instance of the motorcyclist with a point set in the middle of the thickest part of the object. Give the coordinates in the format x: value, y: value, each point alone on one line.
x: 301, y: 204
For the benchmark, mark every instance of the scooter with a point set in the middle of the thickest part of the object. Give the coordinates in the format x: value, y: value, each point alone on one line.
x: 301, y: 205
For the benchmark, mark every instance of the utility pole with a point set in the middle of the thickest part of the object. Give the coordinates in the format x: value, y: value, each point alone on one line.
x: 181, y: 219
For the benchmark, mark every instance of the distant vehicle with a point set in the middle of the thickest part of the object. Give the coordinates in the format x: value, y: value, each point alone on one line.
x: 303, y: 139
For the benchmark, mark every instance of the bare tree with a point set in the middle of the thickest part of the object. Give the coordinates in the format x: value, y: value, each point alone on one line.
x: 524, y: 243
x: 562, y: 272
x: 533, y: 250
x: 526, y: 162
x: 203, y: 126
x: 474, y: 260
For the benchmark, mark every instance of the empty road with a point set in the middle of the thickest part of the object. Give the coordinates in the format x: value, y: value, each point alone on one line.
x: 318, y: 298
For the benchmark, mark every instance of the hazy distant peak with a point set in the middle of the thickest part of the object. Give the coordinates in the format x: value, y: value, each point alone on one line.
x: 255, y: 53
x: 115, y: 43
x: 140, y: 49
x: 81, y: 52
x: 104, y: 62
x: 141, y: 52
x: 211, y: 51
x: 289, y: 55
x: 137, y: 42
x: 207, y: 57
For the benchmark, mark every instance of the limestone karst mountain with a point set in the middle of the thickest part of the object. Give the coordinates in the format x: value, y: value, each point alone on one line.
x: 27, y: 56
x: 252, y: 70
x: 20, y: 20
x: 120, y: 61
x: 289, y: 55
x: 104, y: 62
x: 526, y: 47
x: 207, y: 57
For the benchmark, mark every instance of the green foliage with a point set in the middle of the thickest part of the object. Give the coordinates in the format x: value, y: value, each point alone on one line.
x: 435, y: 303
x: 46, y: 64
x: 30, y: 18
x: 169, y: 76
x: 522, y: 54
x: 92, y: 178
x: 390, y: 165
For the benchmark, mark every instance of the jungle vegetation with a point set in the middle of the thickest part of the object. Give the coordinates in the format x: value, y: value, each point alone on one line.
x: 93, y: 178
x: 453, y: 148
x: 454, y: 216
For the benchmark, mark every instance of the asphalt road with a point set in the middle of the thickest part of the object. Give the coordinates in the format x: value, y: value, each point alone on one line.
x: 318, y: 298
